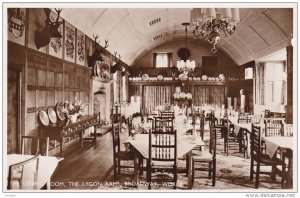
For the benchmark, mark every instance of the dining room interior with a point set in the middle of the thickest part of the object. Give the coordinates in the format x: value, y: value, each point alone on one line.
x: 191, y: 97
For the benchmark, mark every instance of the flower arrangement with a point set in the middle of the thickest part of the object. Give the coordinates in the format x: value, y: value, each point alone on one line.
x: 73, y: 110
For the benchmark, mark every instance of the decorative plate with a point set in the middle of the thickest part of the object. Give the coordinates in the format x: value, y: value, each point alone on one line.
x: 160, y: 77
x: 60, y: 114
x: 52, y: 115
x: 183, y: 77
x: 44, y: 118
x: 222, y: 77
x: 188, y: 95
x: 204, y: 77
x: 145, y: 77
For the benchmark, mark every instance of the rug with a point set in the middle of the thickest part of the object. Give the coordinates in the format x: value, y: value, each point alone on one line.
x: 233, y: 174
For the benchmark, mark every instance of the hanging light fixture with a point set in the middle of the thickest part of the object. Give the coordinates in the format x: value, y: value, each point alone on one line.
x: 185, y: 65
x: 209, y: 22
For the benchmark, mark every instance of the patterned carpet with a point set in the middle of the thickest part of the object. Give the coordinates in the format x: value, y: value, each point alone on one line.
x: 232, y: 175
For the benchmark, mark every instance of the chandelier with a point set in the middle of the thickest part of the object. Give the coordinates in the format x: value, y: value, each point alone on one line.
x: 185, y: 65
x: 209, y: 22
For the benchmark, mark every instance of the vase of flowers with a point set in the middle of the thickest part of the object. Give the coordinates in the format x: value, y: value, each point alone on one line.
x: 73, y: 110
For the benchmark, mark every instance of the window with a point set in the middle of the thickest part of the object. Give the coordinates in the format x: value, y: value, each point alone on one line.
x: 162, y: 59
x: 275, y: 83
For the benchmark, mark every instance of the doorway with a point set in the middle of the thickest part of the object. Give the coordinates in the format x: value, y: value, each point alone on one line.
x: 13, y: 110
x: 100, y: 105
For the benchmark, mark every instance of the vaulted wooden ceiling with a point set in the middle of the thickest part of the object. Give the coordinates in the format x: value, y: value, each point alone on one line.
x: 132, y: 32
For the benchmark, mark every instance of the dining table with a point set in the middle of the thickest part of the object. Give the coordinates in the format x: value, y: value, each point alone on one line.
x: 185, y: 144
x: 285, y: 146
x: 47, y: 166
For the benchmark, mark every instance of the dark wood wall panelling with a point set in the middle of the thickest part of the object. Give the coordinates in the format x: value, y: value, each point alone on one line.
x: 290, y: 91
x: 55, y: 81
x: 49, y: 80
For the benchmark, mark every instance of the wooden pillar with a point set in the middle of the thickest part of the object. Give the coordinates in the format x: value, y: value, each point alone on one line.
x: 289, y: 109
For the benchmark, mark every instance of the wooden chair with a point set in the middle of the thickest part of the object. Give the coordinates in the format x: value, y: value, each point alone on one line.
x: 231, y: 139
x: 206, y: 158
x: 244, y: 119
x: 162, y: 157
x: 163, y: 124
x: 118, y: 154
x: 35, y: 145
x: 19, y: 173
x: 260, y: 158
x: 274, y: 127
x: 200, y: 121
x: 219, y: 126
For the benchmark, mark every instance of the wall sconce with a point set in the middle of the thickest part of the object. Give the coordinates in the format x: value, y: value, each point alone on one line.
x: 96, y: 56
x: 50, y: 30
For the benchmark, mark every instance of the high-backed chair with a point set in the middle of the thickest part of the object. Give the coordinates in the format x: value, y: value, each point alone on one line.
x: 258, y: 158
x: 206, y: 159
x: 35, y: 145
x: 231, y: 140
x: 274, y: 127
x: 118, y: 154
x: 19, y: 173
x: 213, y: 121
x: 162, y: 157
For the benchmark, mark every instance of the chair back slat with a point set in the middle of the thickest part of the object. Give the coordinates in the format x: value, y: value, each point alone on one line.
x: 255, y: 141
x: 116, y: 128
x: 162, y: 146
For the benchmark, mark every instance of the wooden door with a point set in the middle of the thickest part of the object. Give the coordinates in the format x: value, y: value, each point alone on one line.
x: 13, y: 111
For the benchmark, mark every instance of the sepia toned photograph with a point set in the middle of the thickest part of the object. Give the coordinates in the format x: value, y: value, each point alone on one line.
x: 150, y: 97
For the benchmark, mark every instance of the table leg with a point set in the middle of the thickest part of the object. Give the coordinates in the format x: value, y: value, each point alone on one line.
x: 95, y: 134
x: 248, y: 145
x: 136, y: 168
x: 81, y: 138
x: 61, y: 146
x: 190, y: 172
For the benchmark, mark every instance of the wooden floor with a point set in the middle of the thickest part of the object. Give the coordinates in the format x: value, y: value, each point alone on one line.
x: 88, y: 164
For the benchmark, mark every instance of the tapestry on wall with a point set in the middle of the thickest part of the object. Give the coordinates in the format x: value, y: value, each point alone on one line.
x: 80, y: 48
x: 69, y: 42
x: 56, y: 44
x: 16, y: 25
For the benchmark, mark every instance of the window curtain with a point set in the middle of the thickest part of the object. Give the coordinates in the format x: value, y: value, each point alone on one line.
x: 284, y: 86
x: 156, y: 96
x: 212, y: 95
x: 259, y: 81
x: 162, y: 57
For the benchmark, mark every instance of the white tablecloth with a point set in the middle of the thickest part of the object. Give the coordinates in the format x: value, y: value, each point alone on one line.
x: 47, y: 165
x: 275, y: 142
x: 185, y: 144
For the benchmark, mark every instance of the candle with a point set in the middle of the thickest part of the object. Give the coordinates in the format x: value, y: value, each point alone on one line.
x: 228, y: 102
x: 243, y: 99
x: 235, y: 103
